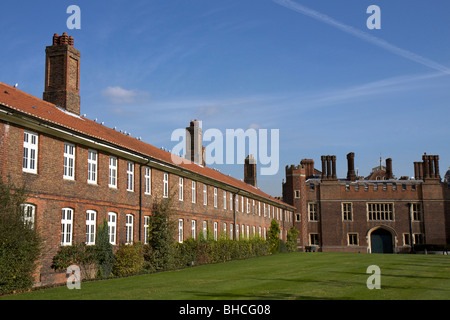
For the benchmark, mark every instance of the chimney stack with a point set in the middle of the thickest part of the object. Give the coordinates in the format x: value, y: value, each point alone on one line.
x: 389, y: 174
x: 194, y: 147
x: 62, y: 74
x: 351, y: 175
x: 250, y: 170
x: 328, y: 167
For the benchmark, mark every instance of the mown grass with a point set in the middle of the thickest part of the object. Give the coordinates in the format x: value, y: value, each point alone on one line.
x: 283, y: 276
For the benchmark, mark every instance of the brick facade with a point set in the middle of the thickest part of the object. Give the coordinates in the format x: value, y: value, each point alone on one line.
x: 39, y: 166
x: 349, y: 210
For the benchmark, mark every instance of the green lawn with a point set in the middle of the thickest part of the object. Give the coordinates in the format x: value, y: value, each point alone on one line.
x: 283, y: 276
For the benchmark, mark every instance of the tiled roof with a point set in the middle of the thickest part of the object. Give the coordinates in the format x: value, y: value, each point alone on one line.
x: 27, y: 104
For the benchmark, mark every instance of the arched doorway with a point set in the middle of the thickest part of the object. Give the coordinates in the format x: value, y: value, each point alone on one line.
x: 381, y: 241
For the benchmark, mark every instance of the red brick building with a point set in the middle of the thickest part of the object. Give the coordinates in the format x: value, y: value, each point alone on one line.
x: 378, y: 213
x: 79, y: 173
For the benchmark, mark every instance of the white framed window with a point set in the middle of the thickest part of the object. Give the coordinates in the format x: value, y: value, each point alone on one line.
x: 248, y: 232
x: 30, y: 152
x: 224, y: 228
x: 215, y: 197
x: 231, y: 201
x: 205, y: 228
x: 194, y: 229
x: 215, y: 231
x: 148, y: 180
x: 92, y: 166
x: 259, y: 208
x: 146, y: 228
x: 165, y: 185
x: 193, y: 192
x: 224, y: 200
x: 180, y: 230
x: 237, y: 203
x: 242, y: 204
x: 91, y: 222
x: 205, y: 194
x: 231, y: 231
x: 242, y: 231
x: 66, y: 226
x: 69, y: 161
x: 129, y: 228
x: 112, y: 227
x: 237, y: 231
x: 29, y: 212
x: 265, y: 212
x: 130, y: 176
x: 180, y: 188
x: 248, y: 205
x: 112, y: 181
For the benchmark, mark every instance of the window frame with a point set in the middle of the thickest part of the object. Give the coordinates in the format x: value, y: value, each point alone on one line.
x: 69, y: 161
x: 112, y: 172
x: 31, y: 149
x: 91, y: 226
x: 130, y: 176
x: 92, y: 166
x: 66, y: 226
x: 112, y: 227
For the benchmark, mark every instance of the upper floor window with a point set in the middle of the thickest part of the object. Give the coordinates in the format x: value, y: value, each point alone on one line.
x: 347, y: 212
x: 224, y: 200
x: 312, y: 212
x: 130, y: 176
x: 215, y: 197
x: 380, y: 211
x: 148, y: 180
x: 30, y: 152
x: 193, y: 192
x: 112, y: 181
x: 180, y: 188
x: 416, y: 211
x: 92, y: 166
x: 69, y: 161
x: 165, y: 185
x: 205, y: 194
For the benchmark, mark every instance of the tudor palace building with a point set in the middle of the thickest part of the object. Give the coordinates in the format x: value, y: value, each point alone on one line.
x: 79, y: 173
x: 378, y: 213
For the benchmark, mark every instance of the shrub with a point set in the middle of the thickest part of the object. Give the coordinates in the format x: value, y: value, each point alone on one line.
x: 20, y: 244
x: 291, y: 239
x: 129, y: 259
x: 274, y: 237
x: 78, y: 254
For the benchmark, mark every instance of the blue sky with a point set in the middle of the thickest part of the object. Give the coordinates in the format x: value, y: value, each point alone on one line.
x: 311, y: 69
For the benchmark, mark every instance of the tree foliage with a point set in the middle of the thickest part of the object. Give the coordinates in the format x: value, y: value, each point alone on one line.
x: 20, y: 244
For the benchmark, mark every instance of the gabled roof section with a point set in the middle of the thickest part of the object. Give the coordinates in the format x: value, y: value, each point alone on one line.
x: 33, y: 107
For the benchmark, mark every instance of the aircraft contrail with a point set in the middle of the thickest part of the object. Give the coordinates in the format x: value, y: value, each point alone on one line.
x: 363, y: 35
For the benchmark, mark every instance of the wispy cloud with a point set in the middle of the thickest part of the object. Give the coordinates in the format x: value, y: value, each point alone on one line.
x: 118, y: 95
x: 363, y: 36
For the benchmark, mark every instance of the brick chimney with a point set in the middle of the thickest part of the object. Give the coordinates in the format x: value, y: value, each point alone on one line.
x: 62, y: 74
x: 351, y: 175
x: 389, y: 173
x: 194, y: 146
x: 250, y: 170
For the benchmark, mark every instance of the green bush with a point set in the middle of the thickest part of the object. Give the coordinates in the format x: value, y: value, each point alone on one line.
x: 291, y: 239
x: 129, y: 259
x: 77, y: 254
x: 20, y: 244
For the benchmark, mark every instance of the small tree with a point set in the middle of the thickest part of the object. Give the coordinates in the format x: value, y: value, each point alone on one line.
x: 161, y: 235
x: 291, y: 239
x: 104, y: 253
x: 274, y: 237
x: 20, y: 244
